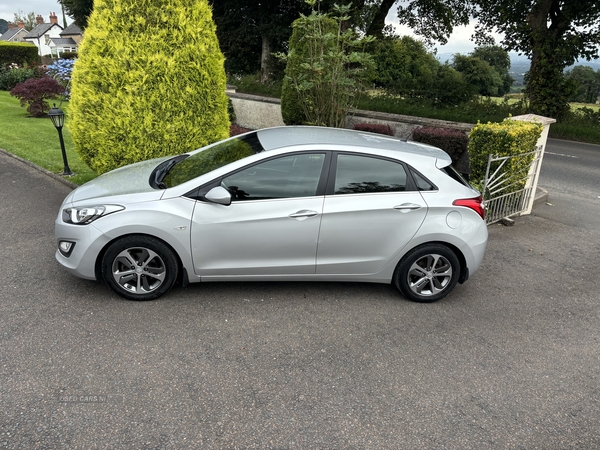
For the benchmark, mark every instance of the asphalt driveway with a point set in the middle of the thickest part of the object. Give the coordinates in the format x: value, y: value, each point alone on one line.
x: 509, y: 360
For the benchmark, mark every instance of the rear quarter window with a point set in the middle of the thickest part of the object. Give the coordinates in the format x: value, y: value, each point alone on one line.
x: 455, y: 175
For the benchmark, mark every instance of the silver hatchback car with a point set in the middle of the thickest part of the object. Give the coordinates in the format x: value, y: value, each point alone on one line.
x: 287, y: 203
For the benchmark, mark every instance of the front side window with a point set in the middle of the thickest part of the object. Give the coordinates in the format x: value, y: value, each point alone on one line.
x: 363, y: 174
x: 284, y: 177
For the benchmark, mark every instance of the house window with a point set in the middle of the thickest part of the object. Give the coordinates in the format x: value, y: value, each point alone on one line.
x: 47, y: 39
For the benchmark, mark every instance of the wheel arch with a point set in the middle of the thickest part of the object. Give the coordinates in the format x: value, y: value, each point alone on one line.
x: 181, y: 272
x: 464, y: 269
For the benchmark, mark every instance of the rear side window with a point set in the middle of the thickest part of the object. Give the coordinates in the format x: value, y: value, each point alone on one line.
x: 363, y: 174
x: 455, y: 175
x: 422, y: 183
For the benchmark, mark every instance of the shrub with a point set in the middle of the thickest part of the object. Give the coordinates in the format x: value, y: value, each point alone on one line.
x: 453, y: 142
x: 292, y: 110
x: 68, y: 55
x: 149, y: 81
x: 234, y: 130
x: 35, y: 92
x: 18, y: 52
x: 507, y: 138
x: 12, y: 74
x: 374, y: 128
x: 326, y: 69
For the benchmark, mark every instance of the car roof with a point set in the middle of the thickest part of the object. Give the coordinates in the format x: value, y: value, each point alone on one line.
x: 272, y: 138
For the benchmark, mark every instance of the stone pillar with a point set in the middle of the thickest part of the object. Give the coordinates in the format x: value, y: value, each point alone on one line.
x: 534, y: 172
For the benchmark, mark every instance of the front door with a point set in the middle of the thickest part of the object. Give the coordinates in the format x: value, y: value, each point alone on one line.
x: 271, y: 226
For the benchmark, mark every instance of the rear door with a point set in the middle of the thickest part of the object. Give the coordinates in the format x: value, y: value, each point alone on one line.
x: 371, y: 211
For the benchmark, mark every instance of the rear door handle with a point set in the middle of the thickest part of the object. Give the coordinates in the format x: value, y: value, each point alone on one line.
x: 302, y: 214
x: 405, y: 207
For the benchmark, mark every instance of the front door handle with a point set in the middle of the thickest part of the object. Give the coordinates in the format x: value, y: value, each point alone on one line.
x: 405, y: 207
x: 303, y: 214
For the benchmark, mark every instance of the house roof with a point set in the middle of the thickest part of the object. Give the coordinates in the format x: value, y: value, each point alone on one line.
x: 64, y: 41
x: 40, y: 30
x: 9, y: 34
x: 71, y: 30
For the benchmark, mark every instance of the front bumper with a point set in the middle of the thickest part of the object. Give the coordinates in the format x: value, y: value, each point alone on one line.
x: 88, y: 242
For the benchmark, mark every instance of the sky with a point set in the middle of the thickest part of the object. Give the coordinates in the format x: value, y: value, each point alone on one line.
x: 44, y: 7
x: 458, y: 43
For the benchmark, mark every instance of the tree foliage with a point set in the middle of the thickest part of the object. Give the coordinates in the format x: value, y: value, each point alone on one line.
x: 250, y: 31
x: 480, y: 76
x: 586, y: 82
x: 27, y: 19
x: 552, y: 33
x: 404, y: 64
x: 406, y: 68
x: 499, y: 60
x: 79, y: 10
x: 149, y: 82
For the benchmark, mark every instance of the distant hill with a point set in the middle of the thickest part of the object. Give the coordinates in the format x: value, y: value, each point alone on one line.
x: 519, y: 65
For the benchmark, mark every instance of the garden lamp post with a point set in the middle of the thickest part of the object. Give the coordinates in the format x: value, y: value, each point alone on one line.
x: 58, y: 119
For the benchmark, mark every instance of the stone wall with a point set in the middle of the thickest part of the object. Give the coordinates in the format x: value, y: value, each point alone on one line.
x: 254, y: 112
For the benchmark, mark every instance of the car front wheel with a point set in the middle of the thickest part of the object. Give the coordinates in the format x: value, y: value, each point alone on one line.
x: 427, y: 273
x: 139, y: 267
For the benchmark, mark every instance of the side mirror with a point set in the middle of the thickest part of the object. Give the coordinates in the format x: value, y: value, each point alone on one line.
x: 219, y: 195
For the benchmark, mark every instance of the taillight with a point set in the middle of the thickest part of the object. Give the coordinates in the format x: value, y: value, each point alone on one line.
x: 476, y: 204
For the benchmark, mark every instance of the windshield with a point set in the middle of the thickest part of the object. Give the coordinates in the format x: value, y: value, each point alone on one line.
x: 212, y: 158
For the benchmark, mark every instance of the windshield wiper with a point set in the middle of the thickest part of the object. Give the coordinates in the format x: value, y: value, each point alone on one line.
x: 162, y: 170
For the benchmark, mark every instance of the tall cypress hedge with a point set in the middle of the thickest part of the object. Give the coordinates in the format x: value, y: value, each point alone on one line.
x: 149, y: 82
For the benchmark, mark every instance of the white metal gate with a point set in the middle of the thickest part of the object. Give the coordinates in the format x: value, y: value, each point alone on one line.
x: 509, y: 194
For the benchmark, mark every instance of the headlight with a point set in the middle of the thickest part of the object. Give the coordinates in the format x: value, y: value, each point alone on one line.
x: 82, y: 215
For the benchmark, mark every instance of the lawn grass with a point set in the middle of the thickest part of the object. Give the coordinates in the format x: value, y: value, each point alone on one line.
x: 36, y: 140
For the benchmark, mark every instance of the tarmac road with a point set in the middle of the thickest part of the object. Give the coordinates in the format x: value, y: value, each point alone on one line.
x: 571, y: 174
x: 508, y: 360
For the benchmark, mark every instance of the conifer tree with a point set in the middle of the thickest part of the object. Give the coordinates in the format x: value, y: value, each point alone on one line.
x: 149, y: 82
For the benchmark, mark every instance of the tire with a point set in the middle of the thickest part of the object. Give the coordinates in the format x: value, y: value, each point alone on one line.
x: 139, y: 267
x: 427, y: 273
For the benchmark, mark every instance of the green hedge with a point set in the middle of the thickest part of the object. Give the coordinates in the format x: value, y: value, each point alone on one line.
x: 18, y: 52
x: 510, y: 137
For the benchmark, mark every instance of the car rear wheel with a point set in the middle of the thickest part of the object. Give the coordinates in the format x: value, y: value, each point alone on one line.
x: 427, y: 273
x: 139, y: 267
